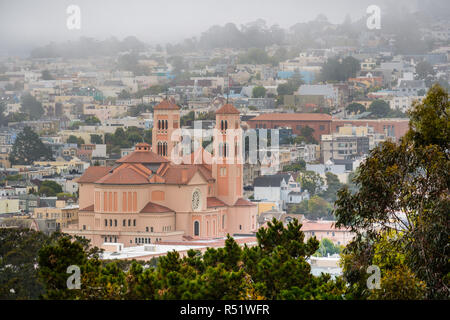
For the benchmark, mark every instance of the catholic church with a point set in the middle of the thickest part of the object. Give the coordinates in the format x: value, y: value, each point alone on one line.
x: 147, y: 198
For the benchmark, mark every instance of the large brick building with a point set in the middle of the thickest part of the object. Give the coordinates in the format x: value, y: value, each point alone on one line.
x: 391, y: 127
x: 325, y: 124
x: 321, y: 123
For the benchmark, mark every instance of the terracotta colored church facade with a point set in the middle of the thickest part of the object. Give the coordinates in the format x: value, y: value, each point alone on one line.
x: 148, y: 198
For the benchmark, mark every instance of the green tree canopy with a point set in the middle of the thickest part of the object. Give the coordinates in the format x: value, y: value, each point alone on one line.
x: 31, y: 106
x: 379, y: 108
x: 340, y: 69
x: 96, y: 139
x: 46, y: 75
x: 75, y: 140
x: 50, y: 188
x: 275, y: 268
x: 423, y: 69
x: 355, y: 108
x: 311, y: 181
x: 314, y: 208
x: 403, y: 193
x: 28, y: 148
x: 259, y: 92
x: 92, y: 121
x: 300, y: 166
x: 18, y: 256
x: 333, y: 185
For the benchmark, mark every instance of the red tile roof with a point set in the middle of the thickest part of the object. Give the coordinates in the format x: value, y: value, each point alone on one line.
x: 155, y: 208
x: 88, y: 208
x: 142, y: 157
x: 227, y: 109
x: 182, y: 174
x: 166, y: 105
x: 199, y: 156
x: 308, y: 225
x: 93, y: 173
x: 213, y: 202
x: 292, y: 117
x: 124, y: 175
x: 241, y: 202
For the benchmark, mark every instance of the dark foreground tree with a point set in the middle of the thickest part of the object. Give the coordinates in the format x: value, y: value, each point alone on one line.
x: 276, y: 268
x: 18, y: 263
x: 403, y: 201
x: 31, y: 106
x: 28, y: 147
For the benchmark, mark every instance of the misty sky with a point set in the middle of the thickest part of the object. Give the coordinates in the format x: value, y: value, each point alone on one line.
x: 25, y: 24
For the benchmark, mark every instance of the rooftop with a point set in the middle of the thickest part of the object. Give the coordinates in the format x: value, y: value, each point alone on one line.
x: 166, y: 105
x: 227, y: 109
x: 292, y: 117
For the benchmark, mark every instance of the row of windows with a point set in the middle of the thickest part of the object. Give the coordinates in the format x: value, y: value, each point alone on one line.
x: 224, y: 125
x: 163, y: 125
x: 110, y: 238
x: 124, y: 222
x: 145, y: 240
x: 162, y: 148
x: 224, y: 150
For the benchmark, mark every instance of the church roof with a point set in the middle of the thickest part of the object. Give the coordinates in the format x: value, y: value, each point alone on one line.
x: 227, y: 109
x: 125, y: 175
x: 199, y: 156
x: 182, y: 174
x: 93, y: 173
x: 212, y: 202
x: 166, y: 105
x: 152, y: 207
x: 88, y: 208
x: 241, y: 202
x: 144, y: 166
x: 142, y: 157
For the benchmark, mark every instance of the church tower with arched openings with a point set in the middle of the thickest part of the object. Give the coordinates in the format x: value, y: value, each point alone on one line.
x: 166, y: 119
x: 227, y: 167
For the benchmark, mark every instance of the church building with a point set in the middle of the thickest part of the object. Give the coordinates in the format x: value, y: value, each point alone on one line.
x: 146, y: 197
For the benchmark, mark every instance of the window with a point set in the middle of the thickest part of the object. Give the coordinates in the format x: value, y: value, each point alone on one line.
x: 322, y: 128
x: 134, y: 223
x: 129, y: 222
x: 124, y: 222
x: 106, y: 222
x: 146, y: 229
x: 151, y: 229
x: 115, y: 222
x: 110, y: 222
x: 196, y: 228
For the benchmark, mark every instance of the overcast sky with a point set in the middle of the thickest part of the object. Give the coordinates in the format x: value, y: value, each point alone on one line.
x: 28, y: 23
